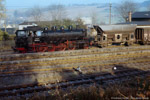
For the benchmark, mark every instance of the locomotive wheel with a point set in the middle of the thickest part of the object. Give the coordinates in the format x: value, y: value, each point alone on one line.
x: 144, y: 43
x: 127, y: 44
x: 21, y: 50
x: 51, y: 48
x: 42, y: 49
x: 71, y: 46
x: 86, y: 46
x: 62, y: 47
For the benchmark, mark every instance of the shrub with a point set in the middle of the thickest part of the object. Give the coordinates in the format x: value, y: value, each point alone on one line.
x: 3, y: 35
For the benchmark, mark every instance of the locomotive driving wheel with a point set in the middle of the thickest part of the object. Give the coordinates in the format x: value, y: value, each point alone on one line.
x: 86, y: 46
x: 71, y: 45
x: 62, y: 47
x: 42, y: 48
x: 51, y: 48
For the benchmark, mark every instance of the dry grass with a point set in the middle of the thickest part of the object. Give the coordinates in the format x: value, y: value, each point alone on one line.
x: 137, y: 88
x: 6, y: 45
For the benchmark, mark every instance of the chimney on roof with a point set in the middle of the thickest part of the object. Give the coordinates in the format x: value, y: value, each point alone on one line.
x: 130, y: 16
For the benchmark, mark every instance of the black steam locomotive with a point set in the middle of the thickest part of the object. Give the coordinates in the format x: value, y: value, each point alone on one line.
x: 35, y: 39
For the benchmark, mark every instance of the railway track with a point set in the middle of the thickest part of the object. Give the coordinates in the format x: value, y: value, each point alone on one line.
x: 72, y: 61
x: 62, y: 67
x: 105, y: 78
x: 6, y: 52
x: 13, y: 57
x: 86, y: 62
x: 35, y: 71
x: 65, y: 73
x: 56, y: 59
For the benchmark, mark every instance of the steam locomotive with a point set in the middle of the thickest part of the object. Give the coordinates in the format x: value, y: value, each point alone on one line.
x: 36, y: 39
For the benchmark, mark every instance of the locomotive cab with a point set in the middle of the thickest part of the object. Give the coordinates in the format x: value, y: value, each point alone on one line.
x: 21, y: 33
x: 26, y: 38
x: 21, y: 38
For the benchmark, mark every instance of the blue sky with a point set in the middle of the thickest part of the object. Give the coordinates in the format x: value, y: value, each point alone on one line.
x: 29, y: 3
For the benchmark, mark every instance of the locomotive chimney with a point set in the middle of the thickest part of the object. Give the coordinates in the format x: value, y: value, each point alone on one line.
x: 130, y: 16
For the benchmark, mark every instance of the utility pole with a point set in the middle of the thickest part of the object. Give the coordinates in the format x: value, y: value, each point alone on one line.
x: 110, y: 5
x: 5, y: 22
x: 5, y: 16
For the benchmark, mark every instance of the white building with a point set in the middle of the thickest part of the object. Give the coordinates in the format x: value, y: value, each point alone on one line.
x: 26, y: 24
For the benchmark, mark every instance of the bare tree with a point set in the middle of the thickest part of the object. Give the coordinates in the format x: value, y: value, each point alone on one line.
x: 36, y: 13
x: 3, y: 35
x: 78, y: 20
x: 125, y: 7
x: 57, y: 12
x: 2, y: 9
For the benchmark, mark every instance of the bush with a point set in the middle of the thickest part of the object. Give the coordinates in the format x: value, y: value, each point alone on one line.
x: 3, y: 35
x: 12, y: 36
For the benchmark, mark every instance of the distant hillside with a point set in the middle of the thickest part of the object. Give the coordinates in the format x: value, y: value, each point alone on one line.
x: 145, y: 3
